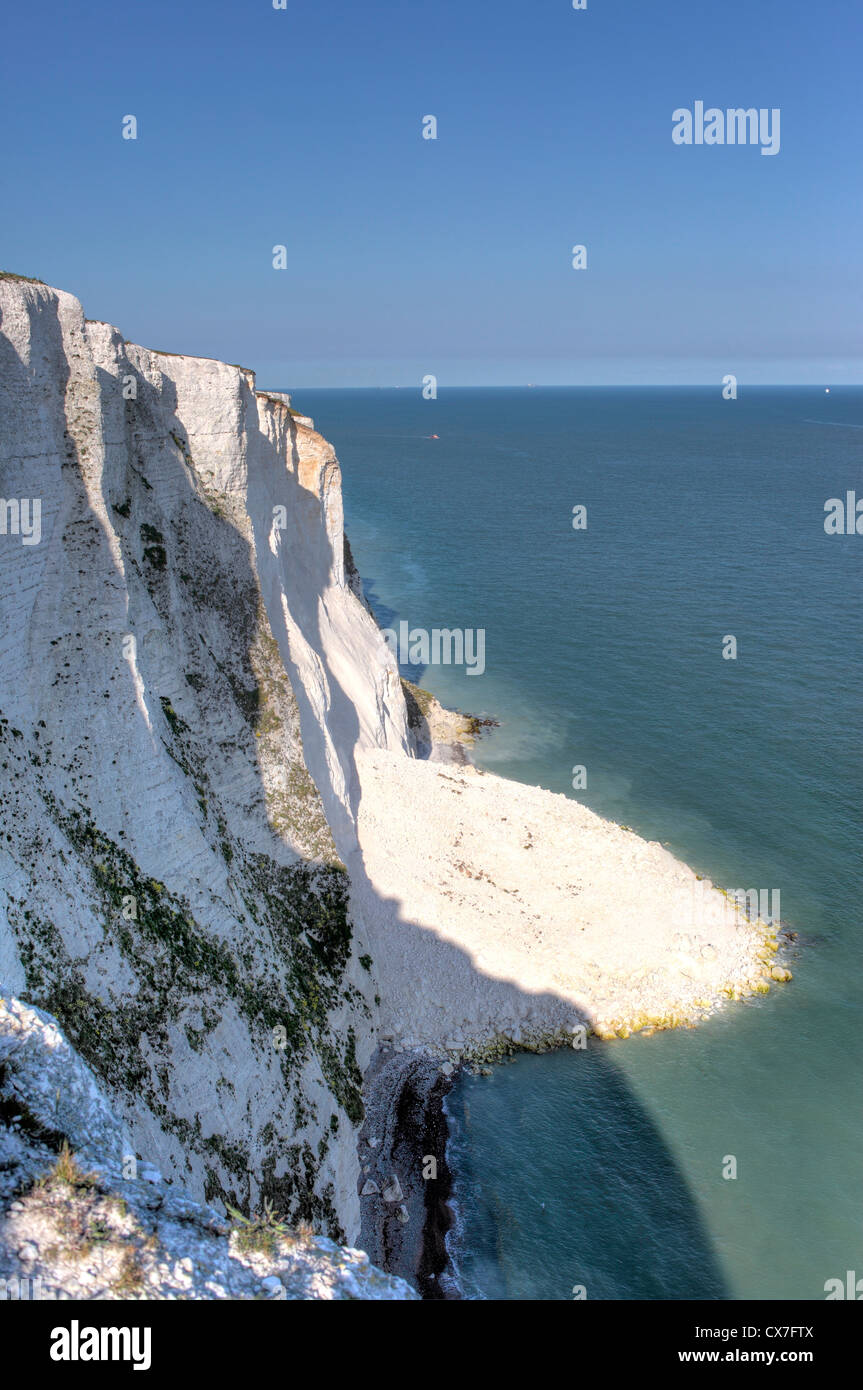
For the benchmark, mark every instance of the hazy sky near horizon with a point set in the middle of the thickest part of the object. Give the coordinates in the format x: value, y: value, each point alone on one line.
x: 302, y: 127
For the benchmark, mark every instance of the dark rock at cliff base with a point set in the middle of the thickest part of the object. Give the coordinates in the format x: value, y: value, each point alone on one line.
x: 405, y: 1115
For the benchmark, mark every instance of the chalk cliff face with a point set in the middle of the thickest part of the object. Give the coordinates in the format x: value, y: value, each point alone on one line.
x: 185, y: 674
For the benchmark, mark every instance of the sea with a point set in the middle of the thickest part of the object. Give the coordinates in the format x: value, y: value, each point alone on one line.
x: 693, y: 640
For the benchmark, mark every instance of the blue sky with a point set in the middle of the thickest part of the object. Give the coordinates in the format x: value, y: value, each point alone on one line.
x: 406, y: 256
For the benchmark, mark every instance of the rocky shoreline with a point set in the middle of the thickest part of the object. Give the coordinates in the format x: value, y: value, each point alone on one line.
x: 439, y: 734
x: 406, y: 1183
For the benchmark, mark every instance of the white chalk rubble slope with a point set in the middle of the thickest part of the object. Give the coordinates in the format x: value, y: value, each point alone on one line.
x: 503, y: 913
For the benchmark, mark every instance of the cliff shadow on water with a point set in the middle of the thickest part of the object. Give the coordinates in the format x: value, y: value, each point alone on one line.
x: 576, y: 1193
x: 579, y: 1196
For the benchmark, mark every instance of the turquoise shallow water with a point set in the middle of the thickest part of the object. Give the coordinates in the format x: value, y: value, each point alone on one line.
x: 603, y: 648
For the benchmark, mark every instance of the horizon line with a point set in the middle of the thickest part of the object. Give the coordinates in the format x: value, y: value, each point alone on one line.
x: 585, y: 386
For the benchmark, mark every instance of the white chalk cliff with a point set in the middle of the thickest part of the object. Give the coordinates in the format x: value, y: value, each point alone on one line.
x: 182, y: 683
x: 222, y: 868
